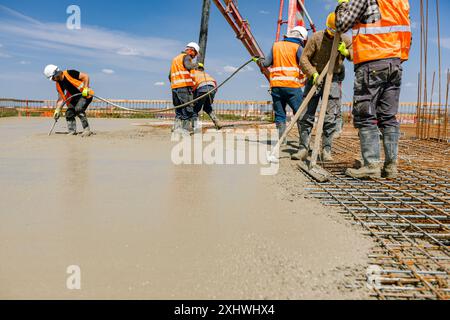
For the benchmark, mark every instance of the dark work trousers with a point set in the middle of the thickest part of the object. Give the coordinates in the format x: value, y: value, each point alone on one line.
x: 181, y: 96
x: 332, y: 115
x: 205, y: 103
x: 285, y: 96
x: 377, y: 93
x: 78, y: 109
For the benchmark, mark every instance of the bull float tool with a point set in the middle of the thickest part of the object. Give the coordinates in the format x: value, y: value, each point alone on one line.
x: 311, y: 167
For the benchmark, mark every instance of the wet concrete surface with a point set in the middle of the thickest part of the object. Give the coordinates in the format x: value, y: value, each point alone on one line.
x: 140, y: 227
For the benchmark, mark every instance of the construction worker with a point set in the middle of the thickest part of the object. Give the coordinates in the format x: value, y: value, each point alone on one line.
x: 381, y: 42
x: 204, y: 83
x: 70, y: 83
x: 286, y: 79
x: 182, y: 84
x: 312, y: 62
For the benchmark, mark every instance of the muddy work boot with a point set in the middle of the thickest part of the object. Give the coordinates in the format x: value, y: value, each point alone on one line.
x: 303, y: 150
x: 326, y: 155
x: 196, y: 127
x: 281, y: 127
x: 370, y: 150
x: 391, y: 137
x: 72, y: 127
x: 215, y: 120
x: 301, y: 155
x: 86, y: 129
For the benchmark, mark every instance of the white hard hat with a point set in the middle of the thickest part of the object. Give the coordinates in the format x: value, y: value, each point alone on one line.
x: 193, y: 45
x: 298, y: 32
x: 50, y: 71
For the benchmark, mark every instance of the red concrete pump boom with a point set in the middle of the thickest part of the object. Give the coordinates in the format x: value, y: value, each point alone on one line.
x: 241, y: 27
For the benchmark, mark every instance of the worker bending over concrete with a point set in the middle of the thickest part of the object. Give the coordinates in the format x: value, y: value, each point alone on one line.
x: 286, y: 79
x: 69, y: 83
x: 314, y: 59
x: 204, y: 83
x: 381, y: 42
x: 182, y: 84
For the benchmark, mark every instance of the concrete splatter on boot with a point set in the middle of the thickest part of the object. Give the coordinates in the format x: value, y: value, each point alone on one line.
x: 196, y: 127
x: 303, y: 150
x: 86, y: 129
x: 215, y: 120
x: 72, y: 127
x: 370, y: 149
x: 326, y: 155
x: 391, y: 137
x: 281, y: 127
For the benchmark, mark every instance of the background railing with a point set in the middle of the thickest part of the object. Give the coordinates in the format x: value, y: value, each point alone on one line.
x: 434, y: 119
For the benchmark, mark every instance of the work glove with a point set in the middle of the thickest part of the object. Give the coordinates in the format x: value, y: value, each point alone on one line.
x: 57, y: 113
x: 314, y: 78
x: 343, y: 1
x: 343, y: 49
x: 256, y: 59
x: 201, y: 65
x: 86, y: 92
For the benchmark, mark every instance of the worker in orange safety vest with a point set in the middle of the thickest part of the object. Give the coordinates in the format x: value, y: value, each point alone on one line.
x: 381, y: 43
x: 68, y: 84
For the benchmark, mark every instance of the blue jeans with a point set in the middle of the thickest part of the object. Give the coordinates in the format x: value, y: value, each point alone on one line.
x: 285, y: 96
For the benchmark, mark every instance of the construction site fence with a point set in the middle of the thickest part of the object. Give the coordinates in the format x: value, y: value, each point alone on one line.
x: 433, y: 119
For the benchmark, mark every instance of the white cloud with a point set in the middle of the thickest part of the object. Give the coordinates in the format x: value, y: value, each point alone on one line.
x: 108, y: 71
x: 4, y: 55
x: 24, y: 62
x: 91, y: 38
x: 159, y: 84
x: 264, y: 12
x: 229, y: 69
x: 445, y: 43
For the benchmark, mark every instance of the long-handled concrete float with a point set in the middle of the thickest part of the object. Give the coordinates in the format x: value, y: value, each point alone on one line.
x: 311, y: 167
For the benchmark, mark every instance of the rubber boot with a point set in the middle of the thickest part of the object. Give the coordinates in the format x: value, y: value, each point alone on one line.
x: 215, y: 120
x: 391, y: 137
x: 303, y: 150
x: 370, y: 150
x: 196, y: 125
x: 339, y: 126
x: 281, y: 127
x: 186, y: 128
x: 86, y: 129
x: 72, y: 127
x: 327, y: 147
x: 326, y: 155
x: 176, y: 126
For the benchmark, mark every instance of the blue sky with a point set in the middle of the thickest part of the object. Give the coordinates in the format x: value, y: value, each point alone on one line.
x: 127, y: 46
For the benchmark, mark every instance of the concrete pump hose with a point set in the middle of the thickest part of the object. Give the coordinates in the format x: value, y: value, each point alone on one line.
x: 169, y: 109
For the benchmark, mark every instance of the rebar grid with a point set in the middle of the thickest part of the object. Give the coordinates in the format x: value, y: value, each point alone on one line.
x: 409, y: 217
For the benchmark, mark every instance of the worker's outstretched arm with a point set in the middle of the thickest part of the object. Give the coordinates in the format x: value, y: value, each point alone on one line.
x: 268, y: 60
x: 349, y: 13
x: 85, y: 78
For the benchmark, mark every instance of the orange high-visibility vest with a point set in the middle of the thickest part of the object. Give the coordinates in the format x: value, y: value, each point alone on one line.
x: 388, y: 38
x: 180, y: 77
x: 285, y: 71
x: 202, y: 79
x: 75, y: 82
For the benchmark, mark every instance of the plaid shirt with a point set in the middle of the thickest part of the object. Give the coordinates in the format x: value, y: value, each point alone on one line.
x: 350, y: 13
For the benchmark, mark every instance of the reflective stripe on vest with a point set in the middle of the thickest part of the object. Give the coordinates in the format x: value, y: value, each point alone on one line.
x: 285, y: 71
x: 202, y: 79
x: 75, y: 82
x: 388, y: 38
x: 180, y: 77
